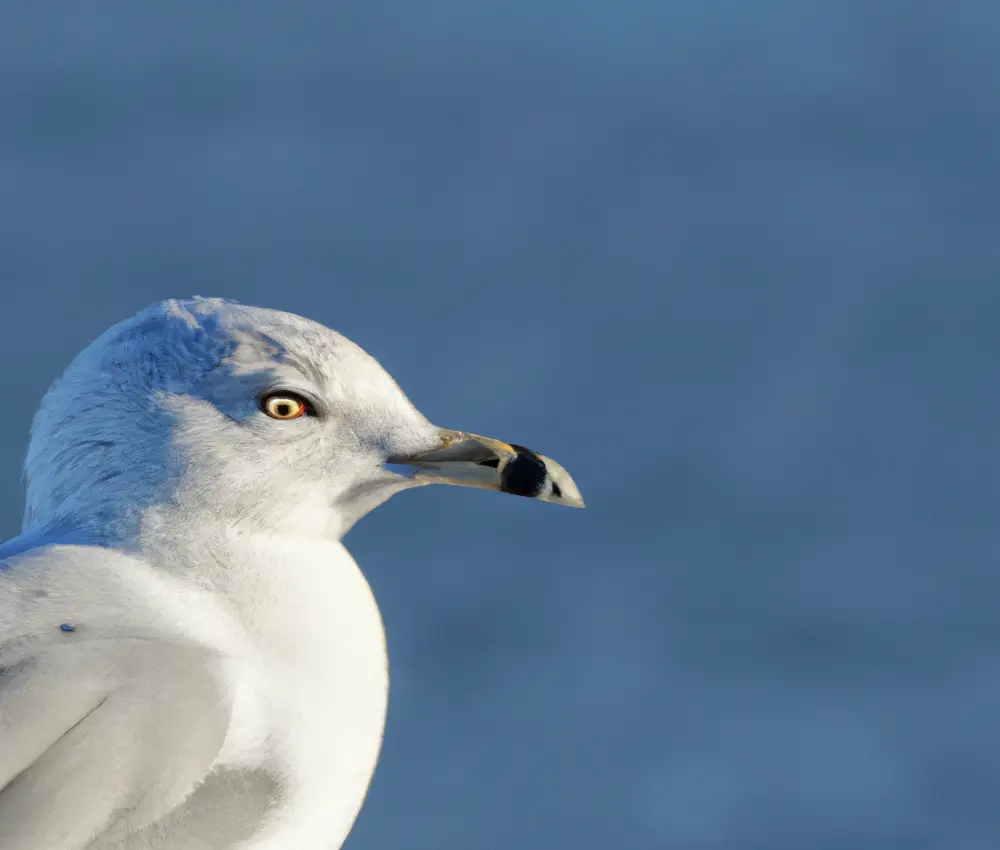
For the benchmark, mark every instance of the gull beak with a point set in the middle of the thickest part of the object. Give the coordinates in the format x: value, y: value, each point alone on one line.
x: 473, y: 461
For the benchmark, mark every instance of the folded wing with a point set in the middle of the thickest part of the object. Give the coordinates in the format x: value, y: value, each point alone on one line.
x: 107, y: 724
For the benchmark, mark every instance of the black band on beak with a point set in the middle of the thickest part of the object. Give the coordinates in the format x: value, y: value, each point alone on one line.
x: 475, y: 461
x: 524, y: 474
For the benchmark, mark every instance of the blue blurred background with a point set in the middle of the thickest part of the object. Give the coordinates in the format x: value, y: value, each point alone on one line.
x: 733, y: 263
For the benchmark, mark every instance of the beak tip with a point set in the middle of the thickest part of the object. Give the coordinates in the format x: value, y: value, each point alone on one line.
x: 565, y: 492
x: 562, y: 489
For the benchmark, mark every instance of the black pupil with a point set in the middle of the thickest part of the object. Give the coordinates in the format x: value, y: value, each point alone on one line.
x: 284, y: 408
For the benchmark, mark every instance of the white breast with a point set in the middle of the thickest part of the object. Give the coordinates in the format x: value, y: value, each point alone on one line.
x: 309, y: 687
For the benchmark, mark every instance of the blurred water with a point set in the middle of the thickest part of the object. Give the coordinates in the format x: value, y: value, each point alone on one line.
x: 734, y: 264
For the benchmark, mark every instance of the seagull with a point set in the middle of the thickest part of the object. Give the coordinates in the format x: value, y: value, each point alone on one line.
x: 190, y: 659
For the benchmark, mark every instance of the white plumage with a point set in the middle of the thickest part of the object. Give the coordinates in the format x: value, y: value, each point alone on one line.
x: 189, y: 658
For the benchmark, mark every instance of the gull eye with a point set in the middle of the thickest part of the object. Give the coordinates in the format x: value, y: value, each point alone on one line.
x: 285, y: 406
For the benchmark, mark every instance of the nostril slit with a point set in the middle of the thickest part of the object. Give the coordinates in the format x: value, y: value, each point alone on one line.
x: 493, y: 462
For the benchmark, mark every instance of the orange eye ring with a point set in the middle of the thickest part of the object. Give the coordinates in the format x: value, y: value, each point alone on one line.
x: 284, y: 406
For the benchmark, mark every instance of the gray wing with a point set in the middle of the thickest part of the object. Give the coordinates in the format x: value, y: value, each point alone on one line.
x: 103, y: 730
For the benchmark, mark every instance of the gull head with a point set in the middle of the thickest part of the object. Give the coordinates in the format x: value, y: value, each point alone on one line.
x: 245, y: 416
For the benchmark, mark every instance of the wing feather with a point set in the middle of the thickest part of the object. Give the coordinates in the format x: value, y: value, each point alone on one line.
x: 106, y: 724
